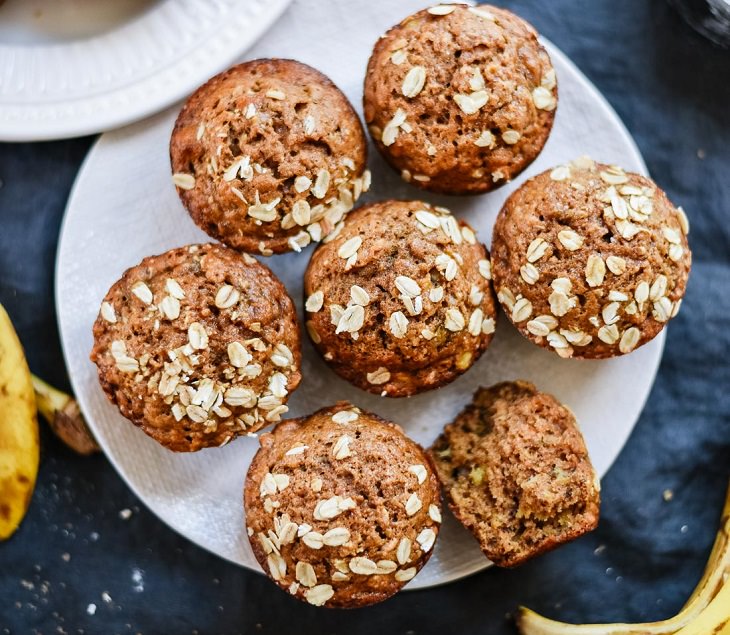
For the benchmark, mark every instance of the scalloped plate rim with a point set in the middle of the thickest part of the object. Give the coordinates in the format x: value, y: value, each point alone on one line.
x: 84, y: 116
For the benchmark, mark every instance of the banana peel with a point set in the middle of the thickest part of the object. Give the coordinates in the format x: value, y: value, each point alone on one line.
x: 19, y: 445
x: 702, y: 614
x: 64, y: 417
x: 715, y: 619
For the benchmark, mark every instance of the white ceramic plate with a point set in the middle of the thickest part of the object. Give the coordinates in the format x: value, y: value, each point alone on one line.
x: 74, y: 67
x: 124, y: 207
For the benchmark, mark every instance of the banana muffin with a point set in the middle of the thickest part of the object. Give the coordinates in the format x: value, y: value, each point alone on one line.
x: 342, y: 508
x: 589, y: 260
x: 460, y: 99
x: 268, y: 156
x: 198, y: 345
x: 516, y: 473
x: 400, y: 300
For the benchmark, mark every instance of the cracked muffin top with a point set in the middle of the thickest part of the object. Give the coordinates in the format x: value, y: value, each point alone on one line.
x: 268, y: 156
x: 460, y: 99
x: 342, y: 508
x: 400, y: 300
x: 197, y: 346
x: 589, y: 260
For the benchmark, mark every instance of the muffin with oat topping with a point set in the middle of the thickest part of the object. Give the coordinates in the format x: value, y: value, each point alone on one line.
x: 268, y: 156
x: 198, y: 345
x: 460, y: 99
x: 400, y: 300
x: 342, y: 508
x: 516, y: 473
x: 590, y: 260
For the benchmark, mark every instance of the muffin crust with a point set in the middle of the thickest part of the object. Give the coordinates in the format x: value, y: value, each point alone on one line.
x: 460, y: 99
x: 400, y: 300
x: 590, y: 260
x: 198, y: 345
x: 342, y: 509
x: 268, y: 156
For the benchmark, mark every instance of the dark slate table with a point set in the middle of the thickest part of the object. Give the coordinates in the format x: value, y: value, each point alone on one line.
x: 87, y: 542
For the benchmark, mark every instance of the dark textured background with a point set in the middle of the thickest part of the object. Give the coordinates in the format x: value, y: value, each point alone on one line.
x: 672, y: 89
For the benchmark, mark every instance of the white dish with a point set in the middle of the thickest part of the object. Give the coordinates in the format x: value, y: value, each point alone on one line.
x: 124, y: 207
x: 75, y: 67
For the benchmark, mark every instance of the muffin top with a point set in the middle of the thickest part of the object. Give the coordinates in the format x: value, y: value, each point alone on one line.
x: 590, y: 260
x: 268, y: 156
x: 516, y: 472
x: 198, y: 345
x: 460, y: 99
x: 342, y: 509
x: 400, y: 300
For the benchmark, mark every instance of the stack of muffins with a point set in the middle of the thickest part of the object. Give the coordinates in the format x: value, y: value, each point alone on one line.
x: 201, y: 344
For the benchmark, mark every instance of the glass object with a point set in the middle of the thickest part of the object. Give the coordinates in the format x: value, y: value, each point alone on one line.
x: 709, y: 17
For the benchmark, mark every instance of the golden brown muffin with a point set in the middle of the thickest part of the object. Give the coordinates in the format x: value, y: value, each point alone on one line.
x: 268, y: 156
x: 342, y: 508
x: 590, y: 260
x: 516, y: 473
x: 460, y: 99
x: 198, y: 345
x: 400, y: 300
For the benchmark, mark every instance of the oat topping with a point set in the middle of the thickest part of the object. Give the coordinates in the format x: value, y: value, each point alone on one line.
x: 398, y: 324
x: 414, y: 81
x: 398, y: 57
x: 169, y: 307
x: 393, y: 127
x: 403, y: 553
x: 413, y: 504
x: 341, y: 449
x: 319, y: 594
x: 485, y: 140
x: 570, y: 239
x: 441, y: 9
x: 472, y: 103
x: 349, y: 248
x: 324, y: 543
x: 227, y: 297
x: 379, y: 376
x: 536, y: 249
x: 402, y: 303
x: 530, y: 273
x: 108, y: 313
x: 315, y: 302
x: 345, y: 416
x: 426, y: 538
x: 624, y: 297
x: 510, y: 137
x: 183, y: 181
x: 434, y: 513
x: 142, y: 291
x: 543, y: 98
x: 454, y: 320
x: 403, y: 575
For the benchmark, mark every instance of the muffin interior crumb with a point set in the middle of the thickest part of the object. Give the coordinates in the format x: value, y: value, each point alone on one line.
x: 517, y: 472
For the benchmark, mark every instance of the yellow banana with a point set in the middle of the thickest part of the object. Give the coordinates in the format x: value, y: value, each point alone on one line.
x: 695, y: 611
x: 19, y: 447
x: 64, y: 417
x: 715, y: 619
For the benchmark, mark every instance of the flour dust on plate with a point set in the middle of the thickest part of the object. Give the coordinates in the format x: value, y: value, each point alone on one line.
x: 124, y: 207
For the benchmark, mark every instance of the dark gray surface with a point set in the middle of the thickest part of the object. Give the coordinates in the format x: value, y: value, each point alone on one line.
x: 672, y: 89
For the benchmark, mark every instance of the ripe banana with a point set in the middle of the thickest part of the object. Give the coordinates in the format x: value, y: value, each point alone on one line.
x: 64, y: 417
x: 706, y: 611
x: 19, y: 447
x: 715, y: 619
